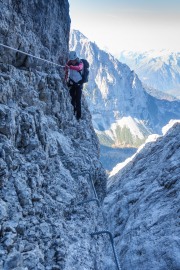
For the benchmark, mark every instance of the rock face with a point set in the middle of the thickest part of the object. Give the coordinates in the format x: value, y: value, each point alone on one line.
x: 40, y: 27
x: 143, y: 206
x: 48, y: 160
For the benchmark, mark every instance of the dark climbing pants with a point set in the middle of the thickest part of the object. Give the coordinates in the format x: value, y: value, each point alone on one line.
x: 76, y: 92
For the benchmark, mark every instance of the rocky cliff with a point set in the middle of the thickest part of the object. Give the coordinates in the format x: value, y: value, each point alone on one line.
x: 48, y: 161
x: 143, y: 206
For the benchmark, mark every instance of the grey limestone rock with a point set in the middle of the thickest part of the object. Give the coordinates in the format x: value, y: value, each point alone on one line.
x: 47, y: 158
x: 143, y: 206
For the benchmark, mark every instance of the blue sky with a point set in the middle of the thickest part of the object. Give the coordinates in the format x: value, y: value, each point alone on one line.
x: 128, y: 24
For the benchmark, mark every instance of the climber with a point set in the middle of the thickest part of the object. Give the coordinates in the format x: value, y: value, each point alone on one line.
x: 73, y: 78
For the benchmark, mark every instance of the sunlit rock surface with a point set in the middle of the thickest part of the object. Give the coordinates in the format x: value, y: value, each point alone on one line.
x: 142, y: 206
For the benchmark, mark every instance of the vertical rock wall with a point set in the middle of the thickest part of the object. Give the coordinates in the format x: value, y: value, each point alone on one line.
x: 47, y: 158
x: 40, y: 27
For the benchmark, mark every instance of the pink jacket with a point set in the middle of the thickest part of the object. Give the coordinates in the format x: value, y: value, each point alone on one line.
x: 72, y: 72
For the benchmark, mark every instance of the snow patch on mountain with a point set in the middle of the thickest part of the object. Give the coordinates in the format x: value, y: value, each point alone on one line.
x: 171, y: 123
x: 136, y: 127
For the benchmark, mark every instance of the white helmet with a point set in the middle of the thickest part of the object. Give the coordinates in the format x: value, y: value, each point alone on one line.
x: 72, y: 55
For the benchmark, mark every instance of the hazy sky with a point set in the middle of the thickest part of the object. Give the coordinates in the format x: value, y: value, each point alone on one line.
x: 128, y: 24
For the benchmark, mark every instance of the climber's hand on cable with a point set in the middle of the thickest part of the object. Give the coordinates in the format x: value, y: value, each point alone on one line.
x: 66, y: 67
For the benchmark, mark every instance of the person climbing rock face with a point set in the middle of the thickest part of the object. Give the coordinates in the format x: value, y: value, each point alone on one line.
x: 74, y: 68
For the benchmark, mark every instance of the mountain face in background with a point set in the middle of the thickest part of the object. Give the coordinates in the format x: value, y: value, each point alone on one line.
x: 157, y: 69
x: 123, y: 113
x: 143, y: 206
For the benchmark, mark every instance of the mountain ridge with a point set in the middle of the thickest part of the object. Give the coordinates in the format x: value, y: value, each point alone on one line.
x: 115, y: 95
x: 157, y: 69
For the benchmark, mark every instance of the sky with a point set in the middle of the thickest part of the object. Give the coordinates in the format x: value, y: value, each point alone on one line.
x: 135, y: 25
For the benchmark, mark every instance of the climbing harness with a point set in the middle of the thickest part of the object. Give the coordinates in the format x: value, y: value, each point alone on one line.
x: 113, y: 246
x: 36, y: 57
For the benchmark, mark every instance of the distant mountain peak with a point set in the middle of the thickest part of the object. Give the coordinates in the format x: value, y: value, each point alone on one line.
x: 77, y: 33
x: 157, y: 69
